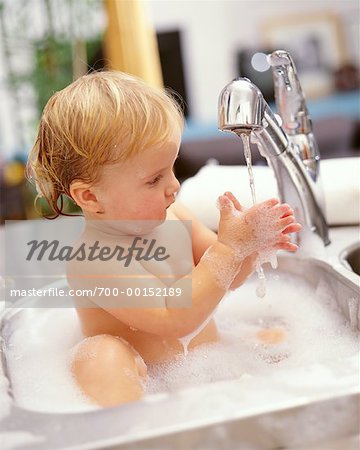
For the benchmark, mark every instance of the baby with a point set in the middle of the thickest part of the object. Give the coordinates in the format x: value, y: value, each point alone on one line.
x: 109, y: 142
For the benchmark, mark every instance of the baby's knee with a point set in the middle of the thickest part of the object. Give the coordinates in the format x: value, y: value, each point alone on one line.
x: 108, y: 369
x: 107, y: 349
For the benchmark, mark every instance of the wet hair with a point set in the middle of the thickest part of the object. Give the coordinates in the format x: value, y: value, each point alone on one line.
x: 101, y: 118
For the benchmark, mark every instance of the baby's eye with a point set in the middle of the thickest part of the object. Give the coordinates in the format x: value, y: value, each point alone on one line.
x: 155, y: 180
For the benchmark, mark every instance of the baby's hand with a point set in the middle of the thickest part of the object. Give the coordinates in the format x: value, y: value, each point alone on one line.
x: 263, y: 226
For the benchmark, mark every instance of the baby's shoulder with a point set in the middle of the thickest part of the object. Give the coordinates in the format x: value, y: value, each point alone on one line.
x: 94, y: 255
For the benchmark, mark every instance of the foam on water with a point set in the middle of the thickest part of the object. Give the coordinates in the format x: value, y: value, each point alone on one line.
x: 38, y: 356
x: 288, y: 329
x: 293, y: 327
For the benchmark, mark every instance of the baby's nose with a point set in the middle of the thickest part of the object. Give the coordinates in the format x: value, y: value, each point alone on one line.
x: 173, y: 187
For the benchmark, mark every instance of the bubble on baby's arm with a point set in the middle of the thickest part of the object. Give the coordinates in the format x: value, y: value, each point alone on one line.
x: 219, y: 266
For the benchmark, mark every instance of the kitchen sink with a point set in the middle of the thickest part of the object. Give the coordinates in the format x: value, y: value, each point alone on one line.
x: 351, y: 257
x: 304, y: 405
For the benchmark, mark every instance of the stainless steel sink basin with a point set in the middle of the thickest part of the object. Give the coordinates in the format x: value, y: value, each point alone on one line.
x: 235, y: 413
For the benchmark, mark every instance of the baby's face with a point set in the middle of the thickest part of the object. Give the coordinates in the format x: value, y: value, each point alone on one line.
x: 141, y: 188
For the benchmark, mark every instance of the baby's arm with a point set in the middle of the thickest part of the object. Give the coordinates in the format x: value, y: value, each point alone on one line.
x: 171, y: 317
x: 211, y: 278
x: 203, y: 238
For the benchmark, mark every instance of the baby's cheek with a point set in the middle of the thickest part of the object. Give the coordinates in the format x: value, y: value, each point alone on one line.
x: 137, y: 211
x: 142, y: 206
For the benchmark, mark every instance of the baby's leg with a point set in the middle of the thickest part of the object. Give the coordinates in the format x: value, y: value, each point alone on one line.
x: 108, y: 370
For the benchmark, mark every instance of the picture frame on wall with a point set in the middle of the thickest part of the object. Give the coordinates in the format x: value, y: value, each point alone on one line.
x: 316, y: 43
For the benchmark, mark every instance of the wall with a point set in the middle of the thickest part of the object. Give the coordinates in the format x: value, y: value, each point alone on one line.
x: 213, y: 31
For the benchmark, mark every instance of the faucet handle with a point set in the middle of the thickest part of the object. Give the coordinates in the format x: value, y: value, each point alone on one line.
x: 289, y: 96
x: 291, y: 105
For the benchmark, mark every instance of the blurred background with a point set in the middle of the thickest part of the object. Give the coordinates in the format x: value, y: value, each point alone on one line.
x: 193, y: 47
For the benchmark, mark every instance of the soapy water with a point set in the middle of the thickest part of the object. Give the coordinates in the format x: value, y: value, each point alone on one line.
x: 38, y: 359
x: 289, y: 329
x: 294, y: 327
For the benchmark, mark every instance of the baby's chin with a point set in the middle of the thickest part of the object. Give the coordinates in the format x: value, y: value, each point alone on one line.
x: 155, y: 219
x: 145, y: 225
x: 136, y: 226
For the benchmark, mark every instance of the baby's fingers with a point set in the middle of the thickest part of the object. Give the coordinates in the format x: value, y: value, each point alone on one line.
x: 283, y: 210
x: 284, y: 243
x: 286, y: 246
x: 235, y: 201
x: 290, y: 212
x: 226, y: 207
x: 283, y: 238
x: 283, y: 223
x: 270, y: 203
x: 293, y: 228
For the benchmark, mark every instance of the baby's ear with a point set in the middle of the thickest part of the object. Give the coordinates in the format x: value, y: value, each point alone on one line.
x: 84, y: 196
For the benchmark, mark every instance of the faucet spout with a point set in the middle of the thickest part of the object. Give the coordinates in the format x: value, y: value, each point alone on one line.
x: 243, y: 109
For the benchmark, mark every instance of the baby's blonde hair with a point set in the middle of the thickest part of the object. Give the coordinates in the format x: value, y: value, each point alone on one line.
x: 101, y: 118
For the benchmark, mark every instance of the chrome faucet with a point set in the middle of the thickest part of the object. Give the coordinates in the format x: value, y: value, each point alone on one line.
x: 290, y: 149
x: 291, y: 105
